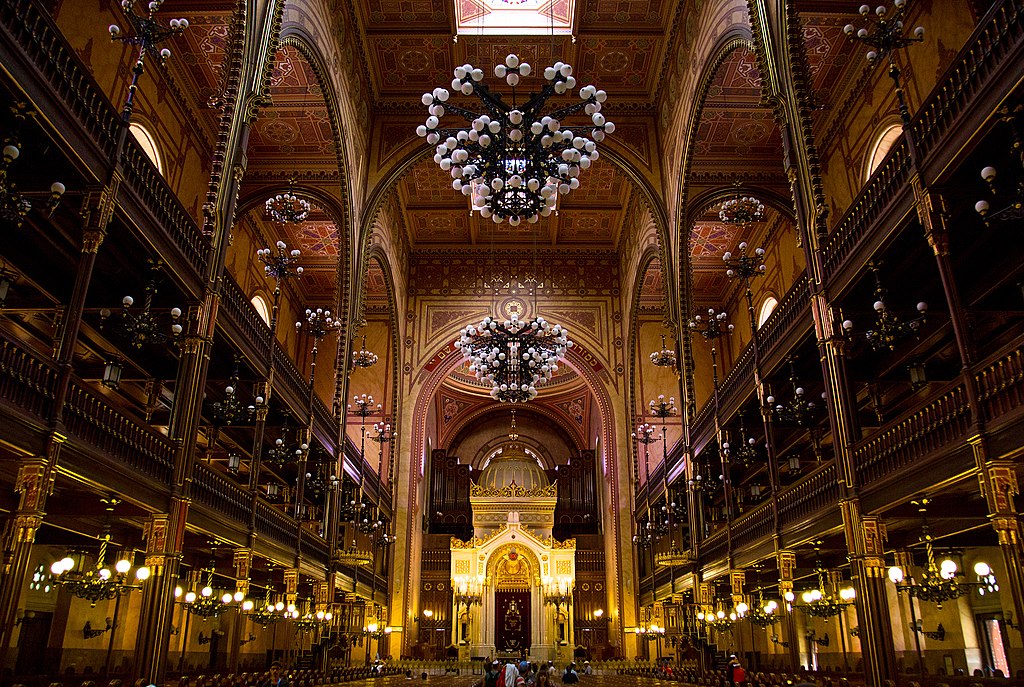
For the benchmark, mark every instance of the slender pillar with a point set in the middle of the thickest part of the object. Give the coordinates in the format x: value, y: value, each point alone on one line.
x: 868, y: 570
x: 1000, y: 487
x: 243, y: 564
x: 787, y: 568
x: 163, y: 533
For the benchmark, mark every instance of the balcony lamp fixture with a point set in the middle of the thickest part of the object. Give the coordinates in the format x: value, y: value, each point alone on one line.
x: 514, y: 356
x: 939, y: 634
x: 823, y: 601
x: 353, y: 556
x: 265, y: 613
x: 746, y: 452
x: 364, y: 357
x: 283, y: 451
x: 206, y: 604
x: 149, y: 33
x: 650, y: 632
x: 146, y: 327
x: 741, y: 210
x: 288, y: 208
x: 230, y: 411
x: 888, y: 329
x: 800, y: 411
x: 280, y: 264
x: 718, y: 620
x: 666, y: 357
x: 742, y: 266
x: 311, y: 621
x: 7, y: 279
x: 112, y: 371
x: 99, y: 583
x: 888, y: 33
x: 89, y: 632
x: 761, y: 614
x: 514, y: 161
x: 940, y: 581
x: 14, y: 206
x: 1014, y: 209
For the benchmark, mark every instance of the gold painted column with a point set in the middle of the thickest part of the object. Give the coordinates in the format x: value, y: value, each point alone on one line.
x: 999, y: 484
x: 163, y: 534
x: 867, y: 567
x: 243, y: 565
x: 33, y: 485
x: 787, y: 568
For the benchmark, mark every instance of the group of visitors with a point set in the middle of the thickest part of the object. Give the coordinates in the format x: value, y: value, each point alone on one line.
x: 526, y: 674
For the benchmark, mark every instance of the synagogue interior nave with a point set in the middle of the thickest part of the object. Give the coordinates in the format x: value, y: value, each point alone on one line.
x: 345, y: 339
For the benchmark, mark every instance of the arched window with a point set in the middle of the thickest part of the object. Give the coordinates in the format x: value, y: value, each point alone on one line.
x: 261, y: 308
x: 148, y: 144
x: 883, y: 144
x: 767, y: 307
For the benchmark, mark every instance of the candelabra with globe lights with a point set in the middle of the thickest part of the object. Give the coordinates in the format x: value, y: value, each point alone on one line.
x: 514, y: 356
x: 98, y: 583
x: 646, y: 434
x: 287, y: 207
x: 761, y: 614
x: 1014, y: 188
x: 319, y: 324
x: 364, y: 357
x: 513, y: 161
x: 146, y: 327
x: 741, y: 210
x: 719, y: 621
x: 885, y: 36
x: 206, y: 603
x: 230, y: 411
x: 15, y: 204
x: 666, y: 357
x: 381, y: 435
x: 279, y: 264
x: 800, y: 411
x: 888, y: 329
x: 265, y: 613
x: 148, y: 34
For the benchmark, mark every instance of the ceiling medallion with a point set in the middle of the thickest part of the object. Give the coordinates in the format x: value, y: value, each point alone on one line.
x: 512, y: 160
x: 288, y: 208
x: 741, y: 210
x: 515, y: 356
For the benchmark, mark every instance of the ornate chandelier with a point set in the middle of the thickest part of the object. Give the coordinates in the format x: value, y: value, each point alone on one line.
x: 514, y: 356
x: 741, y: 210
x: 718, y: 621
x: 513, y: 160
x: 364, y: 357
x: 823, y: 602
x: 288, y: 208
x: 99, y: 583
x: 889, y: 329
x: 666, y: 357
x: 763, y: 614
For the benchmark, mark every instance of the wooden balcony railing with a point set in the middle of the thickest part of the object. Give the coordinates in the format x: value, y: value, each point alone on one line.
x: 314, y: 547
x: 986, y: 69
x: 92, y: 420
x: 913, y: 435
x: 809, y: 496
x: 1001, y: 385
x: 753, y: 526
x: 222, y: 495
x: 254, y: 332
x: 26, y: 381
x: 275, y: 525
x: 789, y: 317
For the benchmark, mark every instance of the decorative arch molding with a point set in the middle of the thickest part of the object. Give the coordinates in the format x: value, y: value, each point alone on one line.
x: 633, y: 338
x: 773, y: 199
x: 524, y: 550
x: 650, y: 196
x: 378, y: 254
x: 418, y: 445
x: 545, y: 411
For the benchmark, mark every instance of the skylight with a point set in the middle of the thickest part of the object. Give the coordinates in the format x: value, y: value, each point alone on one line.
x: 522, y: 17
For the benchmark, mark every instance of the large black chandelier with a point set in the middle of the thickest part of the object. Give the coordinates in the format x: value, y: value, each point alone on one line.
x: 515, y: 356
x: 889, y: 329
x: 288, y: 208
x: 513, y: 160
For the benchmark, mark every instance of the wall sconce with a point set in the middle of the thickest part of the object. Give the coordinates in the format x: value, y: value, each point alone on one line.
x: 918, y: 378
x: 203, y: 639
x: 855, y: 631
x: 938, y: 635
x: 820, y: 641
x: 777, y: 641
x: 250, y: 638
x: 112, y: 373
x: 89, y: 632
x: 599, y: 613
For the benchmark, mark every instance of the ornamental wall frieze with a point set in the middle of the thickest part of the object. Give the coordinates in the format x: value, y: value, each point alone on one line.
x: 513, y: 491
x: 552, y: 543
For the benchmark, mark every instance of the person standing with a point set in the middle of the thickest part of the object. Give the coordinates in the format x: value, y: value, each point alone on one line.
x: 276, y: 678
x: 736, y: 674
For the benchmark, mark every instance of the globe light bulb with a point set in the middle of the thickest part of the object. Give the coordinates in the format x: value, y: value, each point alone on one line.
x: 982, y: 569
x: 143, y: 573
x: 895, y: 574
x: 190, y: 597
x: 122, y: 566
